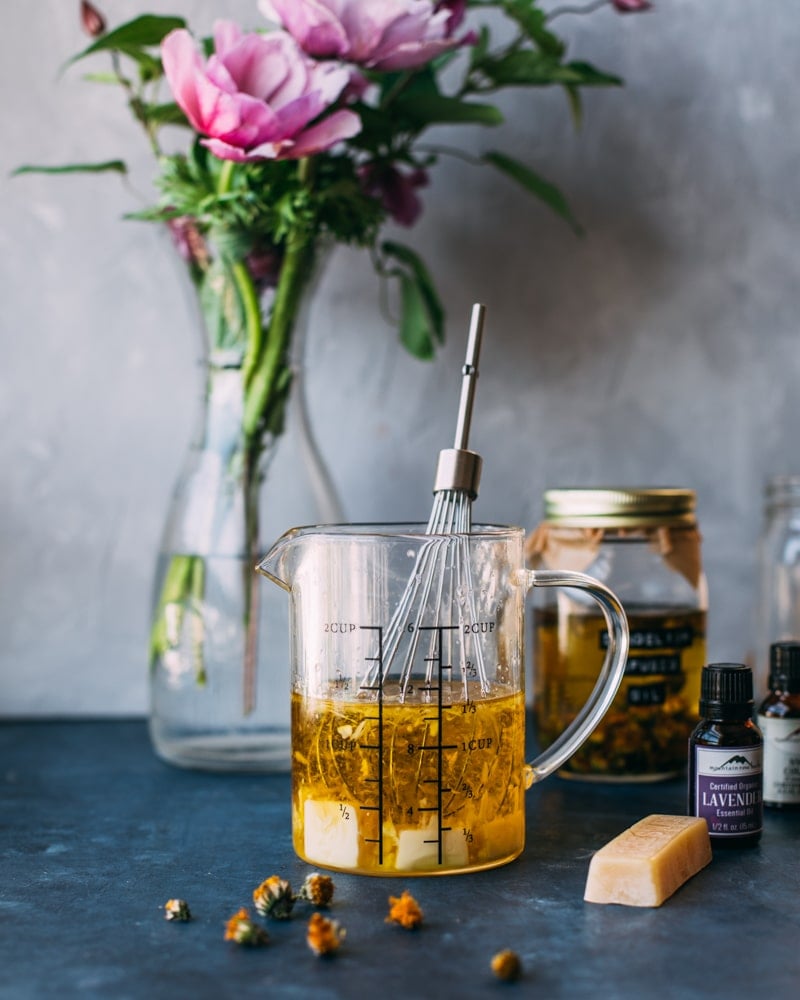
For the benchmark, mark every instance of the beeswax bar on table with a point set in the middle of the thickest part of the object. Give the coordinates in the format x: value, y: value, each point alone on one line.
x: 646, y: 863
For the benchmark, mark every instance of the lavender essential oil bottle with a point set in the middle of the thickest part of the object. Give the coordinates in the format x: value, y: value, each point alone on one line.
x: 725, y: 758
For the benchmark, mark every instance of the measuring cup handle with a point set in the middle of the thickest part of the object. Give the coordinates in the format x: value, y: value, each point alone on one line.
x: 609, y: 678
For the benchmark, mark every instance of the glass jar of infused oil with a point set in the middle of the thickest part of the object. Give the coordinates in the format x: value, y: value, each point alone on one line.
x: 645, y: 545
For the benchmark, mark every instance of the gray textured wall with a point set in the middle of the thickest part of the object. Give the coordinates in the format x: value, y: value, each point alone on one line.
x: 663, y: 348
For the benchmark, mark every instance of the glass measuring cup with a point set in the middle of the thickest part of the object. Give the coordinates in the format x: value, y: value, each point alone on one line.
x: 408, y: 702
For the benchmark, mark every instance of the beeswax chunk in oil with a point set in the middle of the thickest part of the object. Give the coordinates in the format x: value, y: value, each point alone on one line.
x: 646, y: 863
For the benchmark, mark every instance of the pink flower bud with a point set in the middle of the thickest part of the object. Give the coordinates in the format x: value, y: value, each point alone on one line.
x: 395, y: 190
x: 188, y: 240
x: 93, y: 22
x: 457, y: 8
x: 631, y: 6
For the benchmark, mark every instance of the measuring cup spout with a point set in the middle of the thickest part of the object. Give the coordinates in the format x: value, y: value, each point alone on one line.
x: 280, y: 563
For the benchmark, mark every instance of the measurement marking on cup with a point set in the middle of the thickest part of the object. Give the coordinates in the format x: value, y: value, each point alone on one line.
x: 430, y: 688
x: 379, y: 745
x: 440, y: 746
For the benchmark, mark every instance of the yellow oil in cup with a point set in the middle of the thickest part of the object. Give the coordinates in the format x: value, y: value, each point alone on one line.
x: 408, y: 698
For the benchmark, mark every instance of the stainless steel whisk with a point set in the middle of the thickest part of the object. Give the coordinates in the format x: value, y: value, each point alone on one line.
x: 458, y: 472
x: 442, y: 572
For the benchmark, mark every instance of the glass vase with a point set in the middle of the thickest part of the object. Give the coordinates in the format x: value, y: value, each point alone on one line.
x: 219, y: 642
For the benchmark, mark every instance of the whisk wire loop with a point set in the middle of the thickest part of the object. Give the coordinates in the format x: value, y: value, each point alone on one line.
x: 442, y: 574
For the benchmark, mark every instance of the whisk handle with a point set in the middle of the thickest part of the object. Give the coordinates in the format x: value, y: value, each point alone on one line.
x: 470, y: 372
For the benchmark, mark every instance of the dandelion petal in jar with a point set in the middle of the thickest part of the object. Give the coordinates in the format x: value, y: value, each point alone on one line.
x: 644, y: 543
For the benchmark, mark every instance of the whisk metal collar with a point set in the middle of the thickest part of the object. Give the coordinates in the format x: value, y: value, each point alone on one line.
x: 458, y: 469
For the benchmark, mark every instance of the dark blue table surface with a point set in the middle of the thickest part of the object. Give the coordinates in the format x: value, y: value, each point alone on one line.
x: 96, y: 834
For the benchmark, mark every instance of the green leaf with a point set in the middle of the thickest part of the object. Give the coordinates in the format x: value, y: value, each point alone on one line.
x: 414, y: 330
x: 523, y: 67
x: 587, y: 75
x: 575, y: 104
x: 416, y: 82
x: 164, y: 114
x: 535, y: 184
x: 533, y: 22
x: 377, y: 129
x: 102, y: 78
x: 197, y: 594
x: 147, y: 30
x: 422, y: 323
x: 481, y: 47
x: 537, y: 69
x: 431, y: 110
x: 275, y: 413
x: 115, y: 166
x: 222, y: 308
x: 174, y: 592
x: 156, y: 213
x: 150, y: 68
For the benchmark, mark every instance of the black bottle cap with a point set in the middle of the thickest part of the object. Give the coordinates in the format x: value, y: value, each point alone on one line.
x: 784, y: 666
x: 726, y: 691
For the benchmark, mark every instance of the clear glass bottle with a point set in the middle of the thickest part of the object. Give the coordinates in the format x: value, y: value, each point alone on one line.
x: 779, y: 573
x: 645, y: 545
x: 219, y: 640
x: 779, y: 722
x: 219, y: 644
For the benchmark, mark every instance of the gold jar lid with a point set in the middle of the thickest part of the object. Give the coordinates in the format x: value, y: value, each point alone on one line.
x: 619, y: 507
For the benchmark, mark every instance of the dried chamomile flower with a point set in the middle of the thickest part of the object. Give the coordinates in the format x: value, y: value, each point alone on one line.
x: 241, y: 929
x: 317, y: 889
x: 404, y: 910
x: 324, y: 936
x: 273, y: 898
x: 506, y: 965
x: 177, y: 909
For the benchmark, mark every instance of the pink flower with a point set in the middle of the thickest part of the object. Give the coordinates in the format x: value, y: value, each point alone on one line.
x: 258, y: 96
x: 378, y: 34
x: 457, y: 9
x: 631, y: 6
x: 395, y: 190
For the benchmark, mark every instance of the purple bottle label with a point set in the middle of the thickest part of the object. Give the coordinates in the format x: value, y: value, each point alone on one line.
x: 728, y: 789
